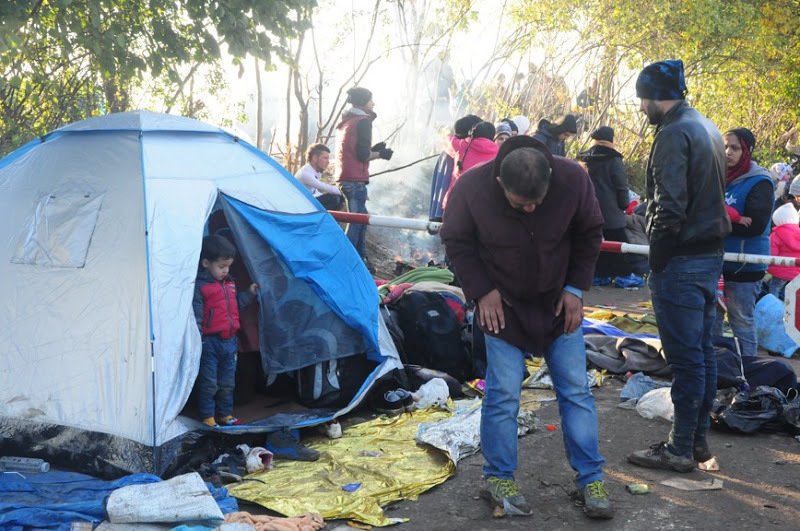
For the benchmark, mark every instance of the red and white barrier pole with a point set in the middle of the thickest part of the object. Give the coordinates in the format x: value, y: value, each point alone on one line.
x: 631, y: 248
x: 608, y: 246
x: 386, y: 221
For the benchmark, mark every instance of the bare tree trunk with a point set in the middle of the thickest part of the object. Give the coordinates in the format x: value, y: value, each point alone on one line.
x: 296, y: 81
x: 259, y: 108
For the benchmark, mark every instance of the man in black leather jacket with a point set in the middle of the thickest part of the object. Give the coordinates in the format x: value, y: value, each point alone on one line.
x: 686, y: 224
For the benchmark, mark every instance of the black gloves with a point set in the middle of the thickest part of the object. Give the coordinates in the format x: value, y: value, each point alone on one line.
x: 382, y: 151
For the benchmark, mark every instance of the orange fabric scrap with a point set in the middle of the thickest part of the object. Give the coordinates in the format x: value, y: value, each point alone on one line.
x: 307, y: 522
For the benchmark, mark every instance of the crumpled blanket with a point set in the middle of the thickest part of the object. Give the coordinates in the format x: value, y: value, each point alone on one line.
x: 622, y: 354
x: 307, y: 522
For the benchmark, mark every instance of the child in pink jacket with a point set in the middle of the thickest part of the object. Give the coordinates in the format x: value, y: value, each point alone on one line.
x: 784, y: 241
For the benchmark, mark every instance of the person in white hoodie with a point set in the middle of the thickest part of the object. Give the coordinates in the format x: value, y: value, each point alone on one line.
x: 318, y: 158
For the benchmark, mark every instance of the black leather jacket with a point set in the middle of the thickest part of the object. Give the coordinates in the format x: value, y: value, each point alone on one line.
x: 685, y: 187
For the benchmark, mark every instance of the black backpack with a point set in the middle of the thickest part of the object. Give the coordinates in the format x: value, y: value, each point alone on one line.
x: 432, y: 335
x: 332, y: 383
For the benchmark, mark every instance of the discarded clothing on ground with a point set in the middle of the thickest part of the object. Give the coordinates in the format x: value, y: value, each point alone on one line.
x: 646, y: 324
x: 639, y: 384
x: 619, y: 355
x: 420, y: 274
x: 380, y: 454
x: 306, y: 522
x: 54, y: 500
x: 594, y: 326
x: 758, y: 370
x: 770, y: 331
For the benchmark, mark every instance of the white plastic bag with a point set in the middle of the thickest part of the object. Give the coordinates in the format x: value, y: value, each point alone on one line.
x: 656, y: 403
x: 433, y: 393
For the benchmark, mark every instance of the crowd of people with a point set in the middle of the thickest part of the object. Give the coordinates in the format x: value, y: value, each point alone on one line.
x: 522, y: 229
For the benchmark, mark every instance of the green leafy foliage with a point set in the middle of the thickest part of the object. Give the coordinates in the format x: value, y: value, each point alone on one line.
x: 742, y: 57
x: 63, y: 60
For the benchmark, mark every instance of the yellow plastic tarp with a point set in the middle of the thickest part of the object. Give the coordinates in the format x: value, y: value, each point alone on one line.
x: 379, y: 454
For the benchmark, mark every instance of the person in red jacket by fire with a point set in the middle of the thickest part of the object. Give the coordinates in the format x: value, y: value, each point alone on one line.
x: 216, y: 308
x: 354, y: 151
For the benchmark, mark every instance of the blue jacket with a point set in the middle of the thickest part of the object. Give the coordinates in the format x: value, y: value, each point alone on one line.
x: 736, y: 196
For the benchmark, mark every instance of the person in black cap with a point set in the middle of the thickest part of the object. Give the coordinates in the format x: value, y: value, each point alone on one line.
x: 353, y: 153
x: 749, y: 194
x: 554, y: 135
x: 686, y: 224
x: 604, y: 164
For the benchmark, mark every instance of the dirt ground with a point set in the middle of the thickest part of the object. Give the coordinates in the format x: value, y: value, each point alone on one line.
x: 760, y: 474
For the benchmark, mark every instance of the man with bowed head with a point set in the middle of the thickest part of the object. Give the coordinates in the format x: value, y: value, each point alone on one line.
x: 523, y: 234
x: 686, y: 224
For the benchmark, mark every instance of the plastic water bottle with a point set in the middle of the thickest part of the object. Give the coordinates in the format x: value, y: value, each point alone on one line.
x: 23, y: 464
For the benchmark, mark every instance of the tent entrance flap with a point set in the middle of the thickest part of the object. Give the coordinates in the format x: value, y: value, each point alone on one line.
x: 298, y: 322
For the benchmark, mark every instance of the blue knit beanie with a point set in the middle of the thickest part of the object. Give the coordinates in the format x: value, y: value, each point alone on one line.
x: 662, y: 81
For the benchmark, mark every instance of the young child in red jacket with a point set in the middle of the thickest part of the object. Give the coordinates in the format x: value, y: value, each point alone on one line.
x: 216, y: 308
x: 784, y: 241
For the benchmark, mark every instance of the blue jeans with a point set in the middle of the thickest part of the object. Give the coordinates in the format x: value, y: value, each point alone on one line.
x: 684, y: 301
x: 566, y: 360
x: 741, y: 302
x: 356, y: 194
x: 777, y: 287
x: 217, y: 377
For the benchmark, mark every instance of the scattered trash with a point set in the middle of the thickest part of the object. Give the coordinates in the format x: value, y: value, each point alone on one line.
x: 656, y: 403
x: 332, y: 429
x: 478, y: 385
x: 459, y: 436
x: 23, y: 464
x: 255, y: 459
x: 712, y: 465
x: 541, y: 379
x: 551, y: 427
x: 692, y: 484
x: 358, y: 525
x: 351, y: 487
x: 638, y: 488
x: 370, y: 453
x: 433, y: 393
x: 526, y: 422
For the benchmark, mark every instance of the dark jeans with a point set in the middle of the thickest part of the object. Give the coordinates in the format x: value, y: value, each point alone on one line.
x: 356, y: 194
x: 217, y: 377
x: 331, y: 201
x: 684, y: 298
